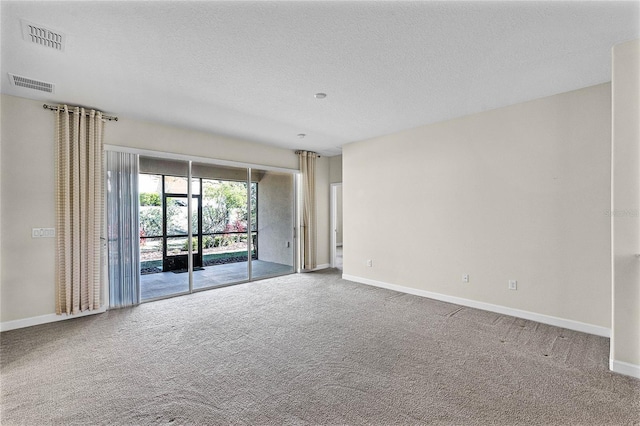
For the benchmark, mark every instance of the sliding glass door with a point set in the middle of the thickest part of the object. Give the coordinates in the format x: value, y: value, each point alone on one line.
x: 226, y: 225
x: 175, y: 256
x: 274, y: 222
x: 164, y: 235
x: 224, y: 235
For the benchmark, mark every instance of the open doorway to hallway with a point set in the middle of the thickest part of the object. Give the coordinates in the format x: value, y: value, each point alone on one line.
x: 336, y: 226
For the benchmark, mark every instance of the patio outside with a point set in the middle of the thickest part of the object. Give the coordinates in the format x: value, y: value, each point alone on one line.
x: 220, y: 245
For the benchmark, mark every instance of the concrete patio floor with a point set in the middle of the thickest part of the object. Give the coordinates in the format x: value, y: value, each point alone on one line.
x: 168, y: 283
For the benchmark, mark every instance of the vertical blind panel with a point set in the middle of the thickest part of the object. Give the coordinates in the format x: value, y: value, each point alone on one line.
x: 122, y: 228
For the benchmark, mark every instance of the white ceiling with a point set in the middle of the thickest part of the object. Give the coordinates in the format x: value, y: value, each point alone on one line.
x: 250, y: 69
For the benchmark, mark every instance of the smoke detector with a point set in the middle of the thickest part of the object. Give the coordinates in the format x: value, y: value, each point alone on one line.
x: 30, y: 83
x: 43, y: 36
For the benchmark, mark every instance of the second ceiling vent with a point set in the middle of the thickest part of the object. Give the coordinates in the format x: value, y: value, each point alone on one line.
x: 43, y: 36
x: 30, y: 83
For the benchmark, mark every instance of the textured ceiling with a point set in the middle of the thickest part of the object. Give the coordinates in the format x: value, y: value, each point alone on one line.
x: 250, y: 69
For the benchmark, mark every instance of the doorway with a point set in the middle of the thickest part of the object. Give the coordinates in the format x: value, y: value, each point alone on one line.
x: 336, y: 226
x: 175, y: 255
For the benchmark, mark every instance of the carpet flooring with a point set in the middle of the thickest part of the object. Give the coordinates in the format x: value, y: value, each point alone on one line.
x: 309, y: 349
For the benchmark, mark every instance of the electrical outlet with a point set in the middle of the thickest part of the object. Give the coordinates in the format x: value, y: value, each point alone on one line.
x: 369, y: 263
x: 465, y: 278
x: 513, y: 285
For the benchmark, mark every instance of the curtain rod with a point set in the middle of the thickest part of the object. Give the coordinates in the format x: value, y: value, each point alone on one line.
x: 55, y: 108
x: 301, y: 150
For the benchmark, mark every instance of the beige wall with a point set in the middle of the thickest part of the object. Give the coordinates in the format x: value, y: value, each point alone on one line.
x: 322, y: 206
x: 1, y: 184
x: 335, y: 176
x: 517, y: 193
x: 158, y: 137
x: 335, y: 169
x: 27, y: 173
x: 625, y: 341
x: 339, y: 215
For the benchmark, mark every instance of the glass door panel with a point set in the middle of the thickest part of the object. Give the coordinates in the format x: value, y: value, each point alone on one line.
x: 272, y: 202
x: 241, y: 225
x: 177, y: 235
x: 224, y: 225
x: 163, y: 228
x: 150, y: 223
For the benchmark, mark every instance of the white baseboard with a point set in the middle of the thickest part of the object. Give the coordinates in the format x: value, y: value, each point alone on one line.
x: 625, y: 368
x: 321, y: 267
x: 317, y: 268
x: 44, y: 319
x: 532, y: 316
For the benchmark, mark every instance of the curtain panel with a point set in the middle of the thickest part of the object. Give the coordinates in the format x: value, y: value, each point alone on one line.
x: 122, y: 229
x: 309, y: 228
x: 79, y: 209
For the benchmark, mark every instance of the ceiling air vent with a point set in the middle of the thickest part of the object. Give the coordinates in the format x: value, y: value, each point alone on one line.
x: 43, y: 36
x: 30, y: 83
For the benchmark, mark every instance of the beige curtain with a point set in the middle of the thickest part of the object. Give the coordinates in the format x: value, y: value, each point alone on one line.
x: 309, y: 231
x: 79, y: 209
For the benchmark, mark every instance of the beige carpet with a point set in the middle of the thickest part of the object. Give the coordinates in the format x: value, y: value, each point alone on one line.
x: 309, y: 349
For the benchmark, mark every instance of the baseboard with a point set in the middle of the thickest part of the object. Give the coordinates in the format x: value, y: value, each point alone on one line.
x: 532, y: 316
x: 317, y: 268
x: 321, y: 267
x: 45, y: 319
x: 625, y: 368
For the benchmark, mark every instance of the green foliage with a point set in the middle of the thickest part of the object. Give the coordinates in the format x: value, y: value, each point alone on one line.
x: 194, y: 244
x: 150, y: 199
x: 224, y: 209
x: 212, y: 241
x: 176, y: 215
x: 222, y: 201
x: 151, y: 221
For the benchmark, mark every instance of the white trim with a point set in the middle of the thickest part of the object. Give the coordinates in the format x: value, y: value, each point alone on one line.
x: 45, y: 319
x: 625, y: 368
x: 317, y: 268
x: 333, y: 222
x: 205, y: 160
x: 532, y: 316
x: 297, y: 239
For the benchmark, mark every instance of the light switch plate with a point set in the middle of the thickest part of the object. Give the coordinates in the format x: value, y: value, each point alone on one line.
x: 43, y: 232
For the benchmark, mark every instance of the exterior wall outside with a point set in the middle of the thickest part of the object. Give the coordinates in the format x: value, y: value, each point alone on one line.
x: 275, y: 218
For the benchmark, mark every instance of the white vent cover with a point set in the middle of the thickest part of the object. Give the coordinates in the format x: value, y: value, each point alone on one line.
x: 43, y: 36
x: 30, y: 83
